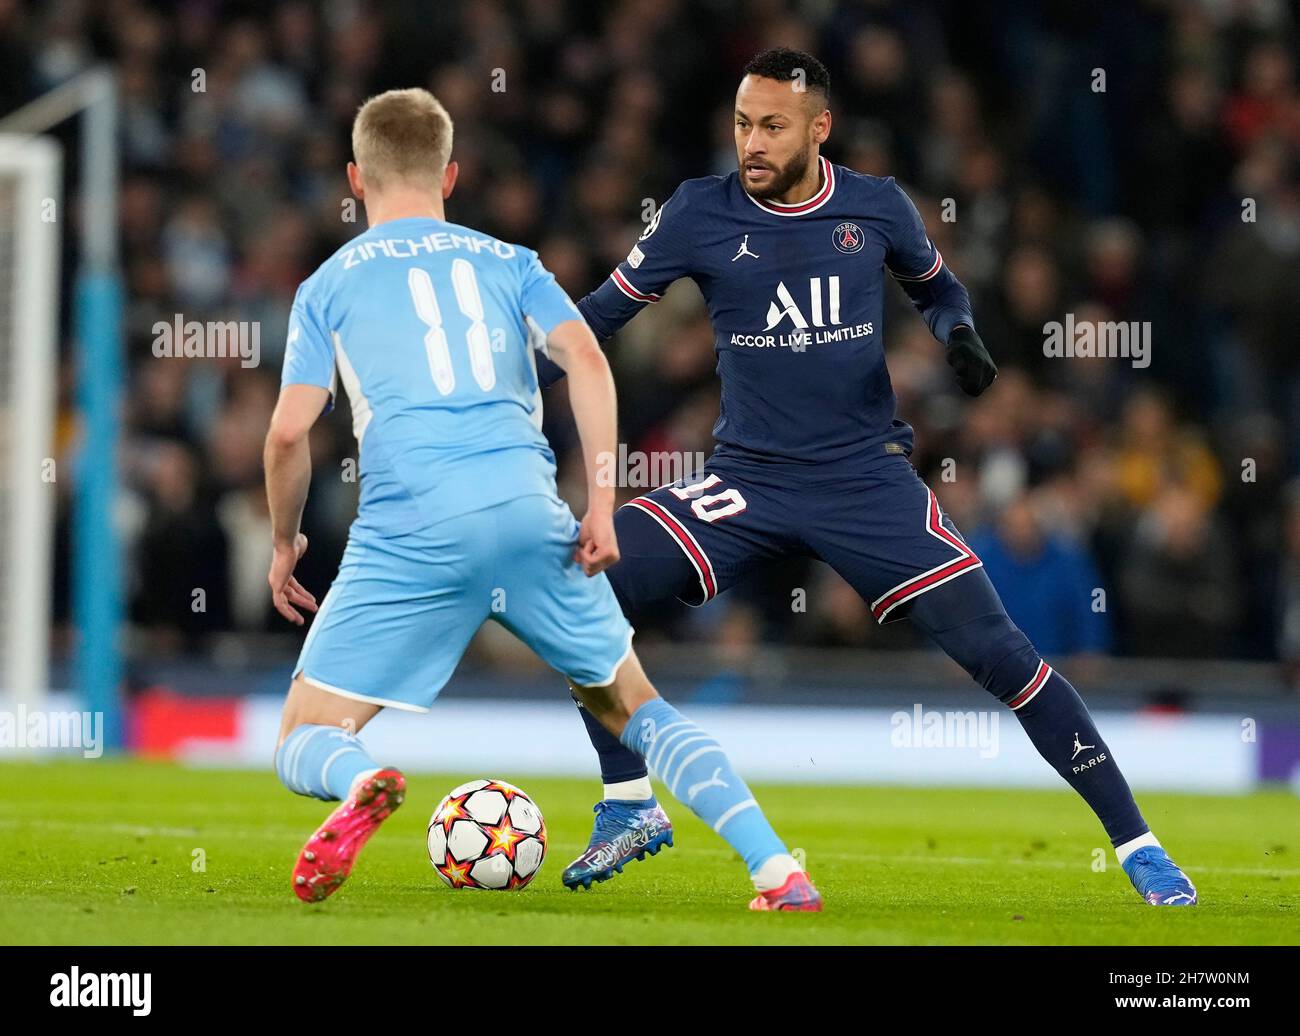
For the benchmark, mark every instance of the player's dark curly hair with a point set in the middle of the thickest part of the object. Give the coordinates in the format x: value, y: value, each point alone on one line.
x: 785, y: 63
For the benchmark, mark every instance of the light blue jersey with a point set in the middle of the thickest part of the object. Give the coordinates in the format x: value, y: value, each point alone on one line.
x: 431, y: 329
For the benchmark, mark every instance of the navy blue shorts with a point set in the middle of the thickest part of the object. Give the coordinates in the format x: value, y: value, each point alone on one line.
x: 881, y: 529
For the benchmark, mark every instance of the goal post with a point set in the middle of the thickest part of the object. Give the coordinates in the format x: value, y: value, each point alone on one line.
x: 31, y: 170
x: 97, y: 313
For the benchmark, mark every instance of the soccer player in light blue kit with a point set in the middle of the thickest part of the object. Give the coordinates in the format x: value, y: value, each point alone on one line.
x: 431, y: 328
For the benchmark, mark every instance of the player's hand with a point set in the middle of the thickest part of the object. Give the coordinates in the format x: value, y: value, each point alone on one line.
x: 286, y: 591
x: 968, y: 357
x: 597, y: 545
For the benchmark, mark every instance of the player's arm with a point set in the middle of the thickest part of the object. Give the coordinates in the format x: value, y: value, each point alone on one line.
x: 660, y: 256
x: 287, y: 458
x: 306, y: 392
x: 937, y: 294
x: 559, y: 332
x: 595, y: 411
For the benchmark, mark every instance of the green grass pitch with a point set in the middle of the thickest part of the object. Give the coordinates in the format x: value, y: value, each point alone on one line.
x: 106, y: 852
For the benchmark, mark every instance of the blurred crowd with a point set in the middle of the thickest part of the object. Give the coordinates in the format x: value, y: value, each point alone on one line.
x: 1119, y: 161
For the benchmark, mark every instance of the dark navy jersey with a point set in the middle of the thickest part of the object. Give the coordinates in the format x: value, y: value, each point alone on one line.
x: 795, y: 293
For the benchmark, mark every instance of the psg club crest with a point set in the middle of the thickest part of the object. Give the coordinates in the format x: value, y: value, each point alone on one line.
x: 848, y: 238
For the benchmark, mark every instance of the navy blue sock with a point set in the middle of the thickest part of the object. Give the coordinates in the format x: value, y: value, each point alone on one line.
x: 1058, y: 723
x: 651, y: 569
x: 965, y: 617
x: 617, y: 762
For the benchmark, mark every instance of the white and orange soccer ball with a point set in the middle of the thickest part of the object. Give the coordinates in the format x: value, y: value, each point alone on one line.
x: 487, y: 835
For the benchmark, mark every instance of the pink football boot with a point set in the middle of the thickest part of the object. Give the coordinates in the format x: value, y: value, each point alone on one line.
x: 797, y: 893
x: 327, y: 858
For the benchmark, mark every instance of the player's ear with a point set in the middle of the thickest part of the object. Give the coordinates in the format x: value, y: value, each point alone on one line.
x: 449, y: 179
x: 354, y: 181
x: 822, y: 126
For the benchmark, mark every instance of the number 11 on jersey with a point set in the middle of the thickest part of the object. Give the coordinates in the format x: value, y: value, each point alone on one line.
x: 465, y: 286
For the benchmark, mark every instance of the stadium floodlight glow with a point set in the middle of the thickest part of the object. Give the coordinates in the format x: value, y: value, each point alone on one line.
x: 98, y: 312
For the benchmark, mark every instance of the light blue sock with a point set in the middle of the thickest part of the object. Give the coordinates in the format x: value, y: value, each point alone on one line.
x: 321, y: 761
x: 698, y: 773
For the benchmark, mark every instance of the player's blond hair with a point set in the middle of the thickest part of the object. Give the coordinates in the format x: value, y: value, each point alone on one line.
x: 402, y: 136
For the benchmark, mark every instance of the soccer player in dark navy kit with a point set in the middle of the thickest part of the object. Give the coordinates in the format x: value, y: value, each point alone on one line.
x: 791, y: 254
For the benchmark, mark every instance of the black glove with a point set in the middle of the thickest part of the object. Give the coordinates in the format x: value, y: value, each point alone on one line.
x: 968, y: 357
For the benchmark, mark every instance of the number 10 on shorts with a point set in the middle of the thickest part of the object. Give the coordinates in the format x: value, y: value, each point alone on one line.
x: 710, y: 507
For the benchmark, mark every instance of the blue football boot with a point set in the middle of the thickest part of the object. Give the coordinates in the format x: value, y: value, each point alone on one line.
x: 624, y: 831
x: 1158, y: 879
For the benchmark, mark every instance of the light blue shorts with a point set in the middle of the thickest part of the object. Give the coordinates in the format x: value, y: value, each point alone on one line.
x: 401, y: 612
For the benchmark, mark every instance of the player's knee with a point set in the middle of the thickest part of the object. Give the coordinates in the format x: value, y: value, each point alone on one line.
x: 308, y: 705
x: 992, y: 650
x: 614, y: 703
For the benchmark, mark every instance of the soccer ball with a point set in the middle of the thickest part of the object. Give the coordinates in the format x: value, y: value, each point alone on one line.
x: 487, y: 835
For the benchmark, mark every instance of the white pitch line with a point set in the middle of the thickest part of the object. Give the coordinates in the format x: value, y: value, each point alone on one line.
x: 998, y: 861
x: 278, y: 832
x: 261, y: 831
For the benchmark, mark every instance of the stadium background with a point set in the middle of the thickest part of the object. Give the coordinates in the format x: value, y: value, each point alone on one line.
x: 1072, y: 476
